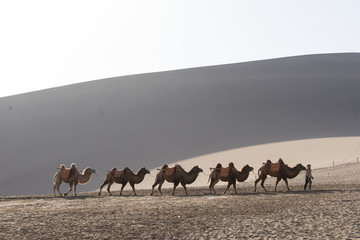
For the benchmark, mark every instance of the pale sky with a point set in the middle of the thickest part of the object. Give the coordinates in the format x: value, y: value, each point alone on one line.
x: 46, y: 44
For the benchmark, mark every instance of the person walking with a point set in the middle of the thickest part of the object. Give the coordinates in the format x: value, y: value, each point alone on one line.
x: 308, y: 177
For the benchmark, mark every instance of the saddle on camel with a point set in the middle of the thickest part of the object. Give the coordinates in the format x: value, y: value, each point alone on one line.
x: 66, y: 173
x: 224, y: 172
x: 118, y: 173
x: 168, y: 171
x: 274, y: 167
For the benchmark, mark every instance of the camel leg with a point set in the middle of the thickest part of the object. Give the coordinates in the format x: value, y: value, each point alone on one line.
x: 184, y: 186
x: 262, y: 178
x: 54, y: 190
x: 175, y: 185
x: 277, y: 181
x: 212, y: 185
x: 234, y: 184
x: 262, y: 183
x: 160, y: 185
x: 152, y: 190
x: 133, y: 188
x: 70, y: 188
x: 122, y: 187
x: 108, y: 188
x: 57, y: 187
x: 256, y: 182
x: 102, y: 185
x: 286, y: 181
x: 228, y: 186
x: 157, y: 181
x: 75, y: 184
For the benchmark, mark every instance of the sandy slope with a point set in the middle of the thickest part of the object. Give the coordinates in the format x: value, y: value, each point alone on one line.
x: 329, y: 211
x: 319, y: 152
x: 156, y: 118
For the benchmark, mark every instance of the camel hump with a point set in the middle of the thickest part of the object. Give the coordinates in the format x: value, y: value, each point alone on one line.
x: 62, y: 167
x: 127, y: 170
x: 177, y: 167
x: 224, y: 172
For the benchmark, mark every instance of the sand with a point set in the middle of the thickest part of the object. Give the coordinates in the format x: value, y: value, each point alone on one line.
x: 329, y: 211
x: 319, y: 152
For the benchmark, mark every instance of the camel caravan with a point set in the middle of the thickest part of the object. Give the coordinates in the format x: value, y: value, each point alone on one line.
x: 176, y: 175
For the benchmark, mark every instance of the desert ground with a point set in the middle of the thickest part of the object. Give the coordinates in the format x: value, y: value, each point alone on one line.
x: 329, y: 211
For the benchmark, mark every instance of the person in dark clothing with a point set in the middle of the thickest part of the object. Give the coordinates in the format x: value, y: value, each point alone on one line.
x: 308, y: 177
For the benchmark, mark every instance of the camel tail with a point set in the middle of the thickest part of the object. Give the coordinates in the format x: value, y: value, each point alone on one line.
x: 209, y: 179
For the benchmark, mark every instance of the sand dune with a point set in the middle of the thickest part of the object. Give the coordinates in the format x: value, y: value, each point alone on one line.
x: 167, y: 117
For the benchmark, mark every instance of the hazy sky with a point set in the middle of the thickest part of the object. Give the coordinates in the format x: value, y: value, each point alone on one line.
x: 52, y: 43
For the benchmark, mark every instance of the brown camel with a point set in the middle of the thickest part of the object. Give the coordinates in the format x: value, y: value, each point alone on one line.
x: 231, y: 177
x: 178, y: 175
x: 283, y: 171
x: 73, y: 180
x: 127, y: 176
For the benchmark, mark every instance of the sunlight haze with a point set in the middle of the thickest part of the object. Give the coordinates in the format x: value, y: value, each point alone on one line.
x: 47, y: 44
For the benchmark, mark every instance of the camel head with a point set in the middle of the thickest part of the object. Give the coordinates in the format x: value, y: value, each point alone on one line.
x: 196, y: 169
x: 89, y: 171
x: 300, y: 167
x: 144, y: 170
x: 248, y: 168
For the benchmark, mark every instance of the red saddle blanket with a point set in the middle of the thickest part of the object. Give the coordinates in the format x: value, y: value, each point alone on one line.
x: 224, y: 172
x: 275, y: 167
x: 65, y: 173
x: 169, y: 171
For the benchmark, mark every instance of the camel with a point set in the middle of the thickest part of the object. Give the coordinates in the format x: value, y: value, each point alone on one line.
x: 283, y: 172
x: 73, y: 180
x: 231, y: 178
x: 179, y: 175
x: 127, y: 177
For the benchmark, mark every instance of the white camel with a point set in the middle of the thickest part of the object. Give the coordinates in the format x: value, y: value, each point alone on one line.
x: 73, y: 180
